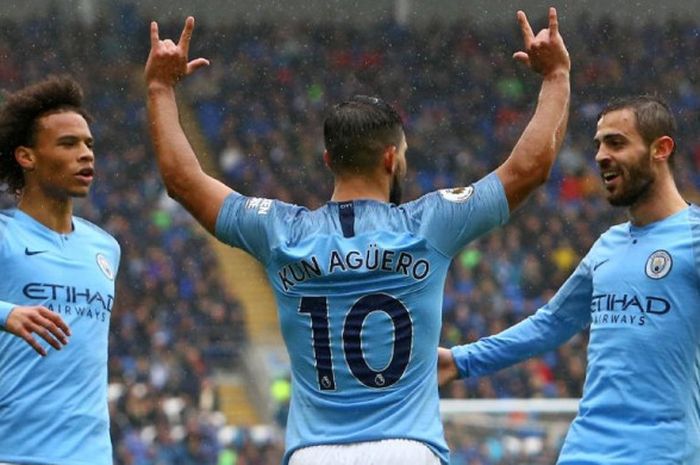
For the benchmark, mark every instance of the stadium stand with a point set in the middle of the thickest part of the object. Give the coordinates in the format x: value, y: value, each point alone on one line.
x: 260, y: 108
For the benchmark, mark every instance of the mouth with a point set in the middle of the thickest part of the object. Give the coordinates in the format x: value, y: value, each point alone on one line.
x: 86, y: 175
x: 609, y: 177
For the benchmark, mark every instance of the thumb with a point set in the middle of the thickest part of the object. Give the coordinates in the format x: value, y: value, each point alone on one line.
x: 522, y: 57
x: 195, y: 64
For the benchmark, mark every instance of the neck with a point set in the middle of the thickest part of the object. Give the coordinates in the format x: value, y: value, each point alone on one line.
x: 360, y: 187
x: 55, y: 214
x: 662, y: 201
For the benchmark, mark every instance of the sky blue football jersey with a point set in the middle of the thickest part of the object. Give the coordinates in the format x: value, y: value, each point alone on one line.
x: 639, y: 290
x: 359, y: 289
x: 53, y: 409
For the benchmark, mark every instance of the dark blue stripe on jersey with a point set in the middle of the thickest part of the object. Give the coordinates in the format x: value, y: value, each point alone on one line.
x: 346, y: 211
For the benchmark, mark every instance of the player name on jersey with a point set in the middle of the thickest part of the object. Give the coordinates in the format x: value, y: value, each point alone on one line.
x: 371, y: 259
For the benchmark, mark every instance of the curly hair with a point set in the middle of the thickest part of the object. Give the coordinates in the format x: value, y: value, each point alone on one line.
x: 19, y: 116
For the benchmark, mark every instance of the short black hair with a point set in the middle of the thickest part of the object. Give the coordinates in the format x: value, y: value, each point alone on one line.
x: 20, y: 113
x: 357, y: 131
x: 653, y: 116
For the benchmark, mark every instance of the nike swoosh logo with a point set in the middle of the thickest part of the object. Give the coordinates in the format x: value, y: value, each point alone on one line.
x: 33, y: 252
x: 597, y: 265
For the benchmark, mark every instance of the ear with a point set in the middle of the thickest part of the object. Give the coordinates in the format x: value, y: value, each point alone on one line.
x: 662, y: 148
x: 25, y: 157
x: 390, y: 159
x: 327, y: 159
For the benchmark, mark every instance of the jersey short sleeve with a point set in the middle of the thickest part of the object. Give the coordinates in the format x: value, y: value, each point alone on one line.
x: 254, y: 224
x: 451, y: 218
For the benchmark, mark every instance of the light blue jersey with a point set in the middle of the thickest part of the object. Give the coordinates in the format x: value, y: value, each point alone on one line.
x: 53, y: 409
x: 359, y: 292
x: 639, y: 289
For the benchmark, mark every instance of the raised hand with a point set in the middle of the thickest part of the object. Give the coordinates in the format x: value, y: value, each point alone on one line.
x: 545, y: 52
x: 168, y: 62
x: 23, y: 322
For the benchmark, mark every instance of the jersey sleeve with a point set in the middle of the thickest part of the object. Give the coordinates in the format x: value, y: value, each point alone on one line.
x: 451, y: 218
x: 5, y: 309
x: 253, y: 224
x: 567, y: 313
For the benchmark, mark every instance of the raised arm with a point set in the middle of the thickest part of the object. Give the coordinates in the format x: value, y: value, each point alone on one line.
x: 531, y: 160
x: 186, y: 182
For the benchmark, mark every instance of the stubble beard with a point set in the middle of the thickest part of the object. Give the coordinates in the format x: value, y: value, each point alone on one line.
x: 396, y: 191
x: 637, y: 180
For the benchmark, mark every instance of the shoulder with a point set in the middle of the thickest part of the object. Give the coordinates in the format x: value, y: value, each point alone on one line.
x: 7, y: 217
x: 87, y: 227
x: 262, y: 207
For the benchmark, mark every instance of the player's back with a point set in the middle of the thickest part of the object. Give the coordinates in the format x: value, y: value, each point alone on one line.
x: 359, y: 291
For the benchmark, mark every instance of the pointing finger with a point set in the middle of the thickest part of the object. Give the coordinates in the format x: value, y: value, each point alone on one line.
x: 553, y: 22
x: 528, y: 35
x: 154, y: 34
x: 186, y: 35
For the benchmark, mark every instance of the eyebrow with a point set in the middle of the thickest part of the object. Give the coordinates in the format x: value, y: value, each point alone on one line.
x: 610, y: 136
x: 73, y: 138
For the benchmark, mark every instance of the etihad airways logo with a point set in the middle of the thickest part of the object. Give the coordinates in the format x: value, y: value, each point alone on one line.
x: 627, y: 308
x: 70, y: 299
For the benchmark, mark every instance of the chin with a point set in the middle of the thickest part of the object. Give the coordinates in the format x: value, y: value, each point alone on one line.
x: 80, y: 193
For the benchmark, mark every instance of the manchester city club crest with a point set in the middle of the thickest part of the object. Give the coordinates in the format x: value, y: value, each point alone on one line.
x: 659, y: 264
x: 104, y: 265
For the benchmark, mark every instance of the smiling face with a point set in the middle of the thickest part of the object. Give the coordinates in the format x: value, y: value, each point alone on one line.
x: 60, y: 161
x: 624, y: 158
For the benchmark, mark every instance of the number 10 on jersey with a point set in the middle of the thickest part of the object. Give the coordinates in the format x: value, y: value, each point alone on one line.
x: 317, y: 308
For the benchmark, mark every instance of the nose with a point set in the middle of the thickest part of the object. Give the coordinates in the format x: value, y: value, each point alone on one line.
x: 87, y: 154
x: 602, y: 157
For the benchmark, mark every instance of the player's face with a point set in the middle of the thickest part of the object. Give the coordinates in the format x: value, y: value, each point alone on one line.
x: 63, y: 163
x: 624, y: 159
x: 396, y: 191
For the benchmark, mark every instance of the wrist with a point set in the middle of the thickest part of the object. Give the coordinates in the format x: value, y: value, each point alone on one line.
x: 557, y: 74
x: 159, y: 87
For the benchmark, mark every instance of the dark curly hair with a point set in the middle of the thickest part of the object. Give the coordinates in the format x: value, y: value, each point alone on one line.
x: 20, y: 113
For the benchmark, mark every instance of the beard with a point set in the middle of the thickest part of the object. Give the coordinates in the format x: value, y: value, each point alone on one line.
x: 636, y: 183
x: 396, y: 190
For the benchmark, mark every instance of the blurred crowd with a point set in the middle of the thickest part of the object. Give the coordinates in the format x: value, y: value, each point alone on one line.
x: 260, y: 106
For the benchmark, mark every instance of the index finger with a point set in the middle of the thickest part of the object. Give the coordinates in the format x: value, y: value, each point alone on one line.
x: 56, y: 319
x: 154, y: 34
x: 528, y: 35
x: 553, y: 22
x: 186, y: 35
